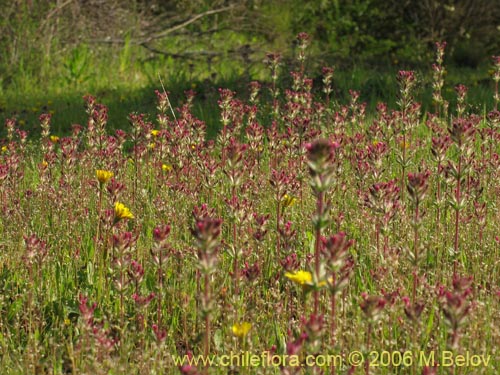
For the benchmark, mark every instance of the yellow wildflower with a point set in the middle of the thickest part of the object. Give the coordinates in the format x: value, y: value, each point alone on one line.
x: 155, y: 132
x: 54, y: 139
x: 299, y: 277
x: 152, y: 146
x: 122, y: 212
x: 67, y: 322
x: 288, y: 201
x: 4, y: 148
x: 103, y: 176
x: 241, y: 329
x: 166, y: 167
x: 303, y: 278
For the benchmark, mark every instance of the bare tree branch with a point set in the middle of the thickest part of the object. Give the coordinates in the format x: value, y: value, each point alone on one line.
x: 186, y: 23
x: 165, y: 32
x: 243, y: 50
x: 183, y: 55
x: 54, y: 11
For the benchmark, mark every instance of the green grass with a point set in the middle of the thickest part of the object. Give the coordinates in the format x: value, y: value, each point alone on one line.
x: 122, y: 97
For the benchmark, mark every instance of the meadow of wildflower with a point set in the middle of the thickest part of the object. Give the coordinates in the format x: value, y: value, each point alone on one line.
x: 305, y: 228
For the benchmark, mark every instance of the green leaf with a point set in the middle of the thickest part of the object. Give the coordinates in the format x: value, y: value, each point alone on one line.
x: 90, y: 273
x: 14, y: 308
x: 219, y: 340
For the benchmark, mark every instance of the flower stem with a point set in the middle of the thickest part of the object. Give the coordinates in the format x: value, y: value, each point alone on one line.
x: 457, y: 211
x: 319, y: 215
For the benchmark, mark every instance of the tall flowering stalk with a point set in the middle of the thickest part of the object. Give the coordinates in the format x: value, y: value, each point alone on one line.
x: 206, y: 230
x: 273, y: 60
x: 141, y: 133
x: 159, y: 253
x: 406, y: 80
x: 461, y: 91
x: 123, y: 244
x: 103, y: 178
x: 327, y: 83
x: 226, y: 98
x: 383, y: 200
x: 283, y: 184
x: 255, y: 136
x: 496, y: 79
x: 45, y: 125
x: 417, y: 187
x: 340, y: 266
x: 438, y: 74
x: 234, y: 171
x: 439, y: 147
x: 96, y: 342
x: 372, y: 307
x: 493, y: 130
x: 320, y: 155
x: 36, y: 252
x: 163, y: 105
x: 456, y: 305
x: 303, y: 40
x: 461, y: 133
x: 111, y: 219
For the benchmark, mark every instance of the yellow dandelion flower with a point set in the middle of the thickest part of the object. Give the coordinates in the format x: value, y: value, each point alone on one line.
x: 303, y: 278
x: 45, y: 164
x: 152, y: 146
x: 166, y: 167
x: 103, y: 176
x: 4, y: 148
x: 288, y: 201
x: 54, y: 139
x: 300, y: 277
x: 122, y: 212
x: 155, y: 132
x: 67, y: 322
x: 241, y: 329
